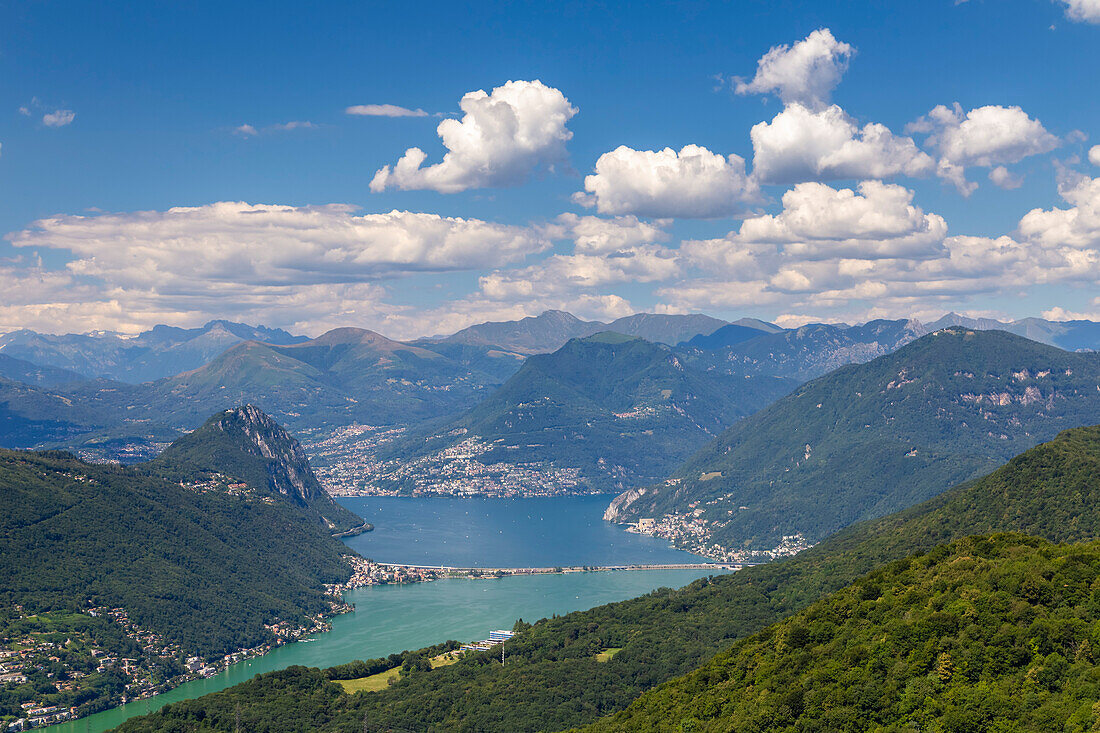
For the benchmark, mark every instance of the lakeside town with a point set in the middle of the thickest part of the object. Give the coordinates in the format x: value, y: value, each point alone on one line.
x: 346, y: 464
x: 689, y: 531
x: 342, y: 457
x: 63, y: 665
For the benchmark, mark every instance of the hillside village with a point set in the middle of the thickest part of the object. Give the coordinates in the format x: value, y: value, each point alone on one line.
x: 62, y: 665
x: 691, y: 532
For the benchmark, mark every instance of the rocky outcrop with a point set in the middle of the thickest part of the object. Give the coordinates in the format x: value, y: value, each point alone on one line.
x: 247, y: 444
x: 289, y: 470
x: 617, y: 510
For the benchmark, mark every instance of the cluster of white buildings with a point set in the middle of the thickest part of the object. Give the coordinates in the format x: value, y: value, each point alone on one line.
x: 495, y: 637
x: 691, y: 531
x: 459, y: 471
x: 39, y: 716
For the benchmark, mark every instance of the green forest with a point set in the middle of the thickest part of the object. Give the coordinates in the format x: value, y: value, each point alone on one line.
x: 74, y: 535
x: 989, y: 633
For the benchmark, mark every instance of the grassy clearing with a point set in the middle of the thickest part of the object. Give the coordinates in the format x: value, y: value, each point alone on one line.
x: 607, y: 654
x: 381, y: 681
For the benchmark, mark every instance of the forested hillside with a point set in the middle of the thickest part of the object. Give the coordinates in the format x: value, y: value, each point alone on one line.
x: 620, y: 409
x: 873, y: 438
x: 554, y: 679
x: 204, y: 569
x: 991, y: 632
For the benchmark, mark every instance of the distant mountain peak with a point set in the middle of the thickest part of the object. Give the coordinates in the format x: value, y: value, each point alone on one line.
x: 352, y: 335
x: 559, y: 315
x: 552, y: 329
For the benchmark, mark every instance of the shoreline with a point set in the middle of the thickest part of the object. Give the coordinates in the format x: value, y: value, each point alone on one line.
x: 245, y: 669
x: 365, y: 572
x: 354, y: 531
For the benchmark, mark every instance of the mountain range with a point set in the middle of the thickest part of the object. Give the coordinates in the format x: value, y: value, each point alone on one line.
x: 900, y: 415
x: 154, y: 354
x: 801, y: 353
x: 551, y: 330
x: 356, y: 376
x: 1076, y: 335
x: 165, y: 351
x: 868, y: 439
x: 619, y: 409
x: 342, y: 377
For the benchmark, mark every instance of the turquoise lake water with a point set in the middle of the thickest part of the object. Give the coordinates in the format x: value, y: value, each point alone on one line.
x: 458, y: 532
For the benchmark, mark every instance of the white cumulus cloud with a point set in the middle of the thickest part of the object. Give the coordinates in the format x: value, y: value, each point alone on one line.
x: 561, y: 274
x: 1004, y: 178
x: 1094, y: 155
x: 1076, y: 227
x: 500, y: 140
x: 247, y: 130
x: 1083, y: 10
x: 876, y: 221
x: 985, y: 136
x: 304, y: 268
x: 801, y: 144
x: 598, y: 235
x: 692, y: 183
x: 260, y: 244
x: 804, y: 72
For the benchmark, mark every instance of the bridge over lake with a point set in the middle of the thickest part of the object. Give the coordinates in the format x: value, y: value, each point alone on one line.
x: 569, y: 569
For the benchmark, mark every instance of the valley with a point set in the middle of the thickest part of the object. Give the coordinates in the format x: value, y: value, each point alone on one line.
x: 668, y: 633
x: 713, y: 444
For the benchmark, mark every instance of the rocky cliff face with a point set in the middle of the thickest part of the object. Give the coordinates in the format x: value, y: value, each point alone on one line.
x: 248, y: 445
x: 617, y: 510
x: 288, y: 468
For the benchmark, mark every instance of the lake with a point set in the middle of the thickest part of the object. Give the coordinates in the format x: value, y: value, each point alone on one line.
x: 480, y: 532
x: 538, y: 532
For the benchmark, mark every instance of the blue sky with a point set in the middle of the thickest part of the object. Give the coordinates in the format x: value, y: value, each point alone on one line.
x: 110, y: 111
